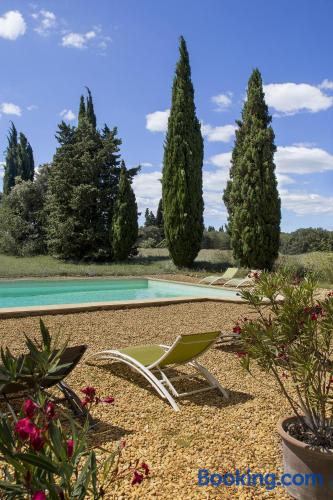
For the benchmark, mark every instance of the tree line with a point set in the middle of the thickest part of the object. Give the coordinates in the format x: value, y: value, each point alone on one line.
x: 82, y: 206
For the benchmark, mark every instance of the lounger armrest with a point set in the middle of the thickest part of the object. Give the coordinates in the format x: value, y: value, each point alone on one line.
x: 165, y: 347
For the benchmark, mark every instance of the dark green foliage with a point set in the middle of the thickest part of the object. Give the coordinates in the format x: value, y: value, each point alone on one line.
x: 159, y: 214
x: 125, y: 218
x: 150, y: 219
x: 90, y: 113
x: 306, y: 240
x: 11, y: 160
x: 22, y: 217
x: 251, y: 195
x: 150, y: 237
x: 82, y: 191
x: 25, y: 158
x: 210, y: 229
x: 182, y: 169
x: 19, y: 160
x: 82, y: 111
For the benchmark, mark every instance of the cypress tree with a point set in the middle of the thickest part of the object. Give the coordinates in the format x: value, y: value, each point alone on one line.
x: 125, y: 218
x: 159, y: 214
x: 82, y: 189
x: 182, y: 169
x: 251, y: 195
x: 11, y: 161
x: 25, y: 158
x: 90, y: 113
x: 82, y: 111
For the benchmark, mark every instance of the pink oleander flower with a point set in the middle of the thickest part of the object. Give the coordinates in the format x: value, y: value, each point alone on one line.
x: 70, y: 448
x: 24, y: 427
x: 36, y: 439
x: 38, y: 495
x: 237, y: 329
x: 90, y: 395
x: 314, y: 316
x: 108, y: 400
x: 49, y: 410
x: 89, y: 391
x: 29, y: 408
x: 137, y: 478
x: 145, y: 467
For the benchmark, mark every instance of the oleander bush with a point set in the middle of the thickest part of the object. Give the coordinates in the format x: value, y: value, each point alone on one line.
x: 44, y: 452
x: 292, y: 339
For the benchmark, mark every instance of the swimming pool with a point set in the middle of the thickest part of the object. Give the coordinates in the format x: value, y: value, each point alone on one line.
x: 33, y: 294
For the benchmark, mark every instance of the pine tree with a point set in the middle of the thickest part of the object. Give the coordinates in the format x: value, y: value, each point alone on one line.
x: 83, y: 187
x: 25, y: 159
x: 150, y: 219
x: 159, y: 215
x: 90, y: 113
x: 251, y: 195
x: 82, y: 111
x: 182, y: 169
x: 11, y: 162
x: 125, y: 218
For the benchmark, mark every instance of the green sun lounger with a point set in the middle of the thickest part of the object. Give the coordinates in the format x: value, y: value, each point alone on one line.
x: 226, y: 276
x: 153, y: 361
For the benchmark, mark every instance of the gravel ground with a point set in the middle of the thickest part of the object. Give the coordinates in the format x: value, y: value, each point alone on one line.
x: 210, y: 432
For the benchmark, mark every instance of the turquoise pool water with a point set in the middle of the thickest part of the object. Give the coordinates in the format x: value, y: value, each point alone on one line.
x: 23, y: 293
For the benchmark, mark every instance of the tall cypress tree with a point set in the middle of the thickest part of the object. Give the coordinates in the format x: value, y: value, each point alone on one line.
x: 251, y: 195
x: 82, y: 189
x: 90, y: 113
x: 11, y: 162
x: 82, y: 111
x: 182, y: 169
x: 125, y: 218
x: 26, y: 164
x: 159, y: 214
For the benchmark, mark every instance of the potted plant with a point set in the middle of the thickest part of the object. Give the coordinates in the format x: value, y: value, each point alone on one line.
x: 291, y: 338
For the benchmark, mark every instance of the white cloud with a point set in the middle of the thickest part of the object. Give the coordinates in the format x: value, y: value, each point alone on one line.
x: 221, y: 160
x: 146, y: 164
x: 157, y: 121
x: 2, y: 169
x: 302, y: 160
x: 222, y: 133
x: 303, y: 203
x: 326, y: 84
x: 47, y: 22
x: 284, y: 179
x: 8, y: 108
x: 148, y: 190
x: 32, y: 107
x: 77, y: 40
x: 12, y: 25
x: 67, y: 114
x: 222, y: 101
x: 291, y: 98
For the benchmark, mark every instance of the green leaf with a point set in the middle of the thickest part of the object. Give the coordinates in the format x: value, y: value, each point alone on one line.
x: 45, y: 334
x: 38, y: 461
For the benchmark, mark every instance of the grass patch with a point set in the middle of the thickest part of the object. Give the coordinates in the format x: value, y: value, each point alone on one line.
x: 154, y: 261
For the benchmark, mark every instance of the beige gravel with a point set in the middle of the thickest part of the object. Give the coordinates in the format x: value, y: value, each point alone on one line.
x: 209, y: 432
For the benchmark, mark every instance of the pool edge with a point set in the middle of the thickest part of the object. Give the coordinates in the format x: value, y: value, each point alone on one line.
x: 15, y: 312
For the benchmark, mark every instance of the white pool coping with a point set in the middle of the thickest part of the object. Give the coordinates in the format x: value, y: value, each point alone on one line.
x: 11, y: 312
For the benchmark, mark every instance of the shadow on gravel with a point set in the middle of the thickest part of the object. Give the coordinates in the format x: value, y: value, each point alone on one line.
x: 209, y: 398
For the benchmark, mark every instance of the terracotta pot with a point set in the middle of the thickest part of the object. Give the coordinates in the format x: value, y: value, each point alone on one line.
x: 298, y: 458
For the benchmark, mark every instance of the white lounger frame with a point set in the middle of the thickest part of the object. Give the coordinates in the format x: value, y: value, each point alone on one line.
x: 163, y: 385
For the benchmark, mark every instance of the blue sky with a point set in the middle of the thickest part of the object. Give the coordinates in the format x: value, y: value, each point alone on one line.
x: 126, y: 53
